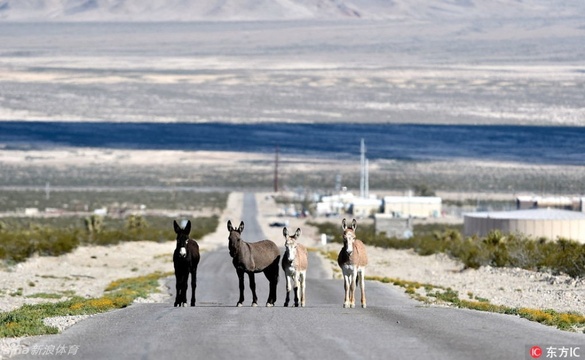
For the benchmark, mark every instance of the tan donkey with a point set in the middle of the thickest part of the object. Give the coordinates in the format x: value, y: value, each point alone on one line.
x: 294, y: 264
x: 352, y: 260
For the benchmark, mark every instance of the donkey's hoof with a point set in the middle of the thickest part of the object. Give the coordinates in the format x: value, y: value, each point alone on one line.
x: 254, y: 304
x: 192, y: 304
x: 352, y: 305
x: 345, y: 305
x: 364, y: 306
x: 269, y: 305
x: 239, y: 304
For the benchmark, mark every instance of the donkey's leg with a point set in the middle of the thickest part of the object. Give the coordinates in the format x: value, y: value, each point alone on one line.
x: 296, y: 280
x: 272, y: 276
x: 303, y: 284
x: 274, y: 284
x: 193, y: 285
x: 346, y: 279
x: 177, y: 289
x: 253, y: 288
x: 241, y: 283
x: 184, y: 286
x: 352, y: 289
x: 288, y: 288
x: 181, y: 288
x: 362, y: 275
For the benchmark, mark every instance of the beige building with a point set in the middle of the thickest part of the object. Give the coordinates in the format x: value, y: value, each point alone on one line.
x: 361, y: 207
x: 413, y: 206
x: 548, y: 223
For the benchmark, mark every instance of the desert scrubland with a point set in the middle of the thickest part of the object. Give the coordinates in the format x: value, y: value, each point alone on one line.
x: 524, y: 70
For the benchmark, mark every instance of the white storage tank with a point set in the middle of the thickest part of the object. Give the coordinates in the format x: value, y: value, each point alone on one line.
x: 549, y: 223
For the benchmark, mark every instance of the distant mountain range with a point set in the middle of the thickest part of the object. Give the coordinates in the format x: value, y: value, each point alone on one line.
x: 249, y: 10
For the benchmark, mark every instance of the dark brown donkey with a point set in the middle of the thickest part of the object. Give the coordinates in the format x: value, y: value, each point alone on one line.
x: 185, y: 259
x: 250, y: 258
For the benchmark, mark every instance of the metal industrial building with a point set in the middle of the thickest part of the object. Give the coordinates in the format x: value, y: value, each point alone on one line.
x: 548, y: 223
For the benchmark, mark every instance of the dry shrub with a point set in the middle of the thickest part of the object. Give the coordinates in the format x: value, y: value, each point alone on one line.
x: 561, y: 256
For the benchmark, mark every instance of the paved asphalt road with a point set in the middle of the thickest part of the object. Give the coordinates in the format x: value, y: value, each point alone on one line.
x: 392, y: 327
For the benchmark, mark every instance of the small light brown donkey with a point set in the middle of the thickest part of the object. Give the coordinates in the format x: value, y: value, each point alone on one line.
x: 352, y: 260
x: 294, y: 264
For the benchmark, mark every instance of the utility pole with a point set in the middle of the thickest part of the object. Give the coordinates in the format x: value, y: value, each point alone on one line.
x: 367, y: 180
x: 363, y: 173
x: 338, y: 183
x: 276, y: 170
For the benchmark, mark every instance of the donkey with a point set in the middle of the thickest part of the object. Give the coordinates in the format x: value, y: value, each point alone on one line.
x: 185, y: 258
x: 250, y: 258
x: 294, y: 264
x: 352, y: 260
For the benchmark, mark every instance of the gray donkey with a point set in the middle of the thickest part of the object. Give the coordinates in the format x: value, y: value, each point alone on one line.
x: 250, y: 258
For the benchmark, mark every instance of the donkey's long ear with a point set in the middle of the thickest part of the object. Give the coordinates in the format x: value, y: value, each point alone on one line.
x: 187, y: 228
x: 230, y: 227
x: 354, y: 224
x: 241, y: 227
x: 176, y: 227
x: 343, y: 225
x: 298, y: 233
x: 285, y: 232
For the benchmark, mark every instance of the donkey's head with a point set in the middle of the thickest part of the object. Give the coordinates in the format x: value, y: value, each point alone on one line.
x: 234, y: 238
x: 348, y: 235
x: 182, y: 236
x: 290, y: 243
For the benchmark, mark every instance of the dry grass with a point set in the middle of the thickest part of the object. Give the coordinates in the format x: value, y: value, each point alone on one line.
x: 28, y: 320
x: 569, y: 321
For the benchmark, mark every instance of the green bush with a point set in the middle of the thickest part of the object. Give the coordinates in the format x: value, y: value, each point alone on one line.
x: 19, y: 242
x: 19, y: 245
x: 496, y: 249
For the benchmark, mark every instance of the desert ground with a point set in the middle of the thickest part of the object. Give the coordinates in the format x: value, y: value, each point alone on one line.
x: 523, y: 72
x: 505, y: 70
x: 458, y: 180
